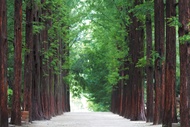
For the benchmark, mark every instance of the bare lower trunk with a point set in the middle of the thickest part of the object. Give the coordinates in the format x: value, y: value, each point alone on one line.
x: 184, y: 15
x: 3, y: 65
x: 16, y: 109
x: 159, y: 62
x: 28, y: 64
x: 170, y: 115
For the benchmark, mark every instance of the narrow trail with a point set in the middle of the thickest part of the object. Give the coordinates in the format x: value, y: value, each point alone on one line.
x: 89, y: 119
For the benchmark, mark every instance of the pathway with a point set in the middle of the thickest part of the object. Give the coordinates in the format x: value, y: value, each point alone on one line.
x: 89, y: 119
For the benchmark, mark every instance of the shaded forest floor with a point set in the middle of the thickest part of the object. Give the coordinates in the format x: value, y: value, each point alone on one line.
x: 89, y: 119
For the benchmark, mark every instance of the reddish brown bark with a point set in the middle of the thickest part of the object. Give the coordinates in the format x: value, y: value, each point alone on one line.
x: 128, y: 101
x: 16, y: 109
x: 56, y: 91
x: 132, y: 76
x: 28, y: 64
x: 170, y: 115
x: 3, y: 65
x: 128, y: 112
x: 149, y: 70
x: 159, y: 62
x: 137, y: 106
x: 184, y: 15
x: 44, y: 77
x: 44, y: 63
x: 36, y: 100
x: 122, y: 113
x: 139, y: 76
x: 119, y: 100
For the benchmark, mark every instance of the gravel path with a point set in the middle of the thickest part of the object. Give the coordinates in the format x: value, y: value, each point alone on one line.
x: 89, y: 119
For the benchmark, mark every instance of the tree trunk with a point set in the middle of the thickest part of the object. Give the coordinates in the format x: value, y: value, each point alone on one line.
x: 67, y: 100
x: 56, y: 88
x: 128, y: 112
x: 184, y: 15
x: 3, y: 65
x: 44, y: 63
x: 149, y: 70
x: 113, y: 102
x: 124, y: 104
x: 28, y: 64
x: 36, y: 100
x: 51, y: 91
x: 170, y: 115
x: 137, y: 85
x: 159, y: 62
x: 16, y: 109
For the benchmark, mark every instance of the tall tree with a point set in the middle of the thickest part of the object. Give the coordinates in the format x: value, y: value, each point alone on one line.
x: 170, y: 115
x: 36, y: 100
x: 149, y: 69
x: 44, y: 62
x: 137, y: 33
x: 3, y: 65
x: 28, y: 63
x: 159, y: 62
x: 16, y: 109
x: 184, y: 15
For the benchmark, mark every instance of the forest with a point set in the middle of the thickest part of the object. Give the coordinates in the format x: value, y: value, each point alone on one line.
x: 130, y: 57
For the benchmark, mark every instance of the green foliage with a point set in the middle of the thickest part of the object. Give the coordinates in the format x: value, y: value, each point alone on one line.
x: 185, y: 38
x: 173, y: 21
x: 97, y: 39
x: 155, y: 55
x: 10, y: 94
x: 142, y: 62
x: 10, y: 36
x: 37, y: 27
x: 141, y: 10
x: 98, y: 107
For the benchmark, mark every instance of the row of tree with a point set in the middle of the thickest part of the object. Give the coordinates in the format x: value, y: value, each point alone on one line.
x: 99, y: 44
x: 110, y: 44
x: 158, y: 68
x: 38, y: 85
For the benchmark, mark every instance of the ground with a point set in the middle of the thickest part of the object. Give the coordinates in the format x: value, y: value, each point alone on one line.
x: 89, y: 119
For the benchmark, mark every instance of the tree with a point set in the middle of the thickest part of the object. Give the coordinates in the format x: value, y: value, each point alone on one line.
x: 149, y: 68
x: 44, y: 61
x: 16, y: 109
x: 170, y: 115
x: 3, y: 65
x: 44, y: 20
x: 159, y: 60
x: 28, y: 63
x: 137, y: 34
x: 184, y: 7
x: 36, y: 99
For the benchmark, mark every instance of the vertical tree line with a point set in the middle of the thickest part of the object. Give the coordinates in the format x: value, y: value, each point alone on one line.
x: 158, y: 62
x: 159, y: 65
x: 149, y: 68
x: 140, y: 57
x: 40, y: 56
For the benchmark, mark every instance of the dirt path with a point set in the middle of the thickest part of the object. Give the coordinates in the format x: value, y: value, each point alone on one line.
x: 89, y: 119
